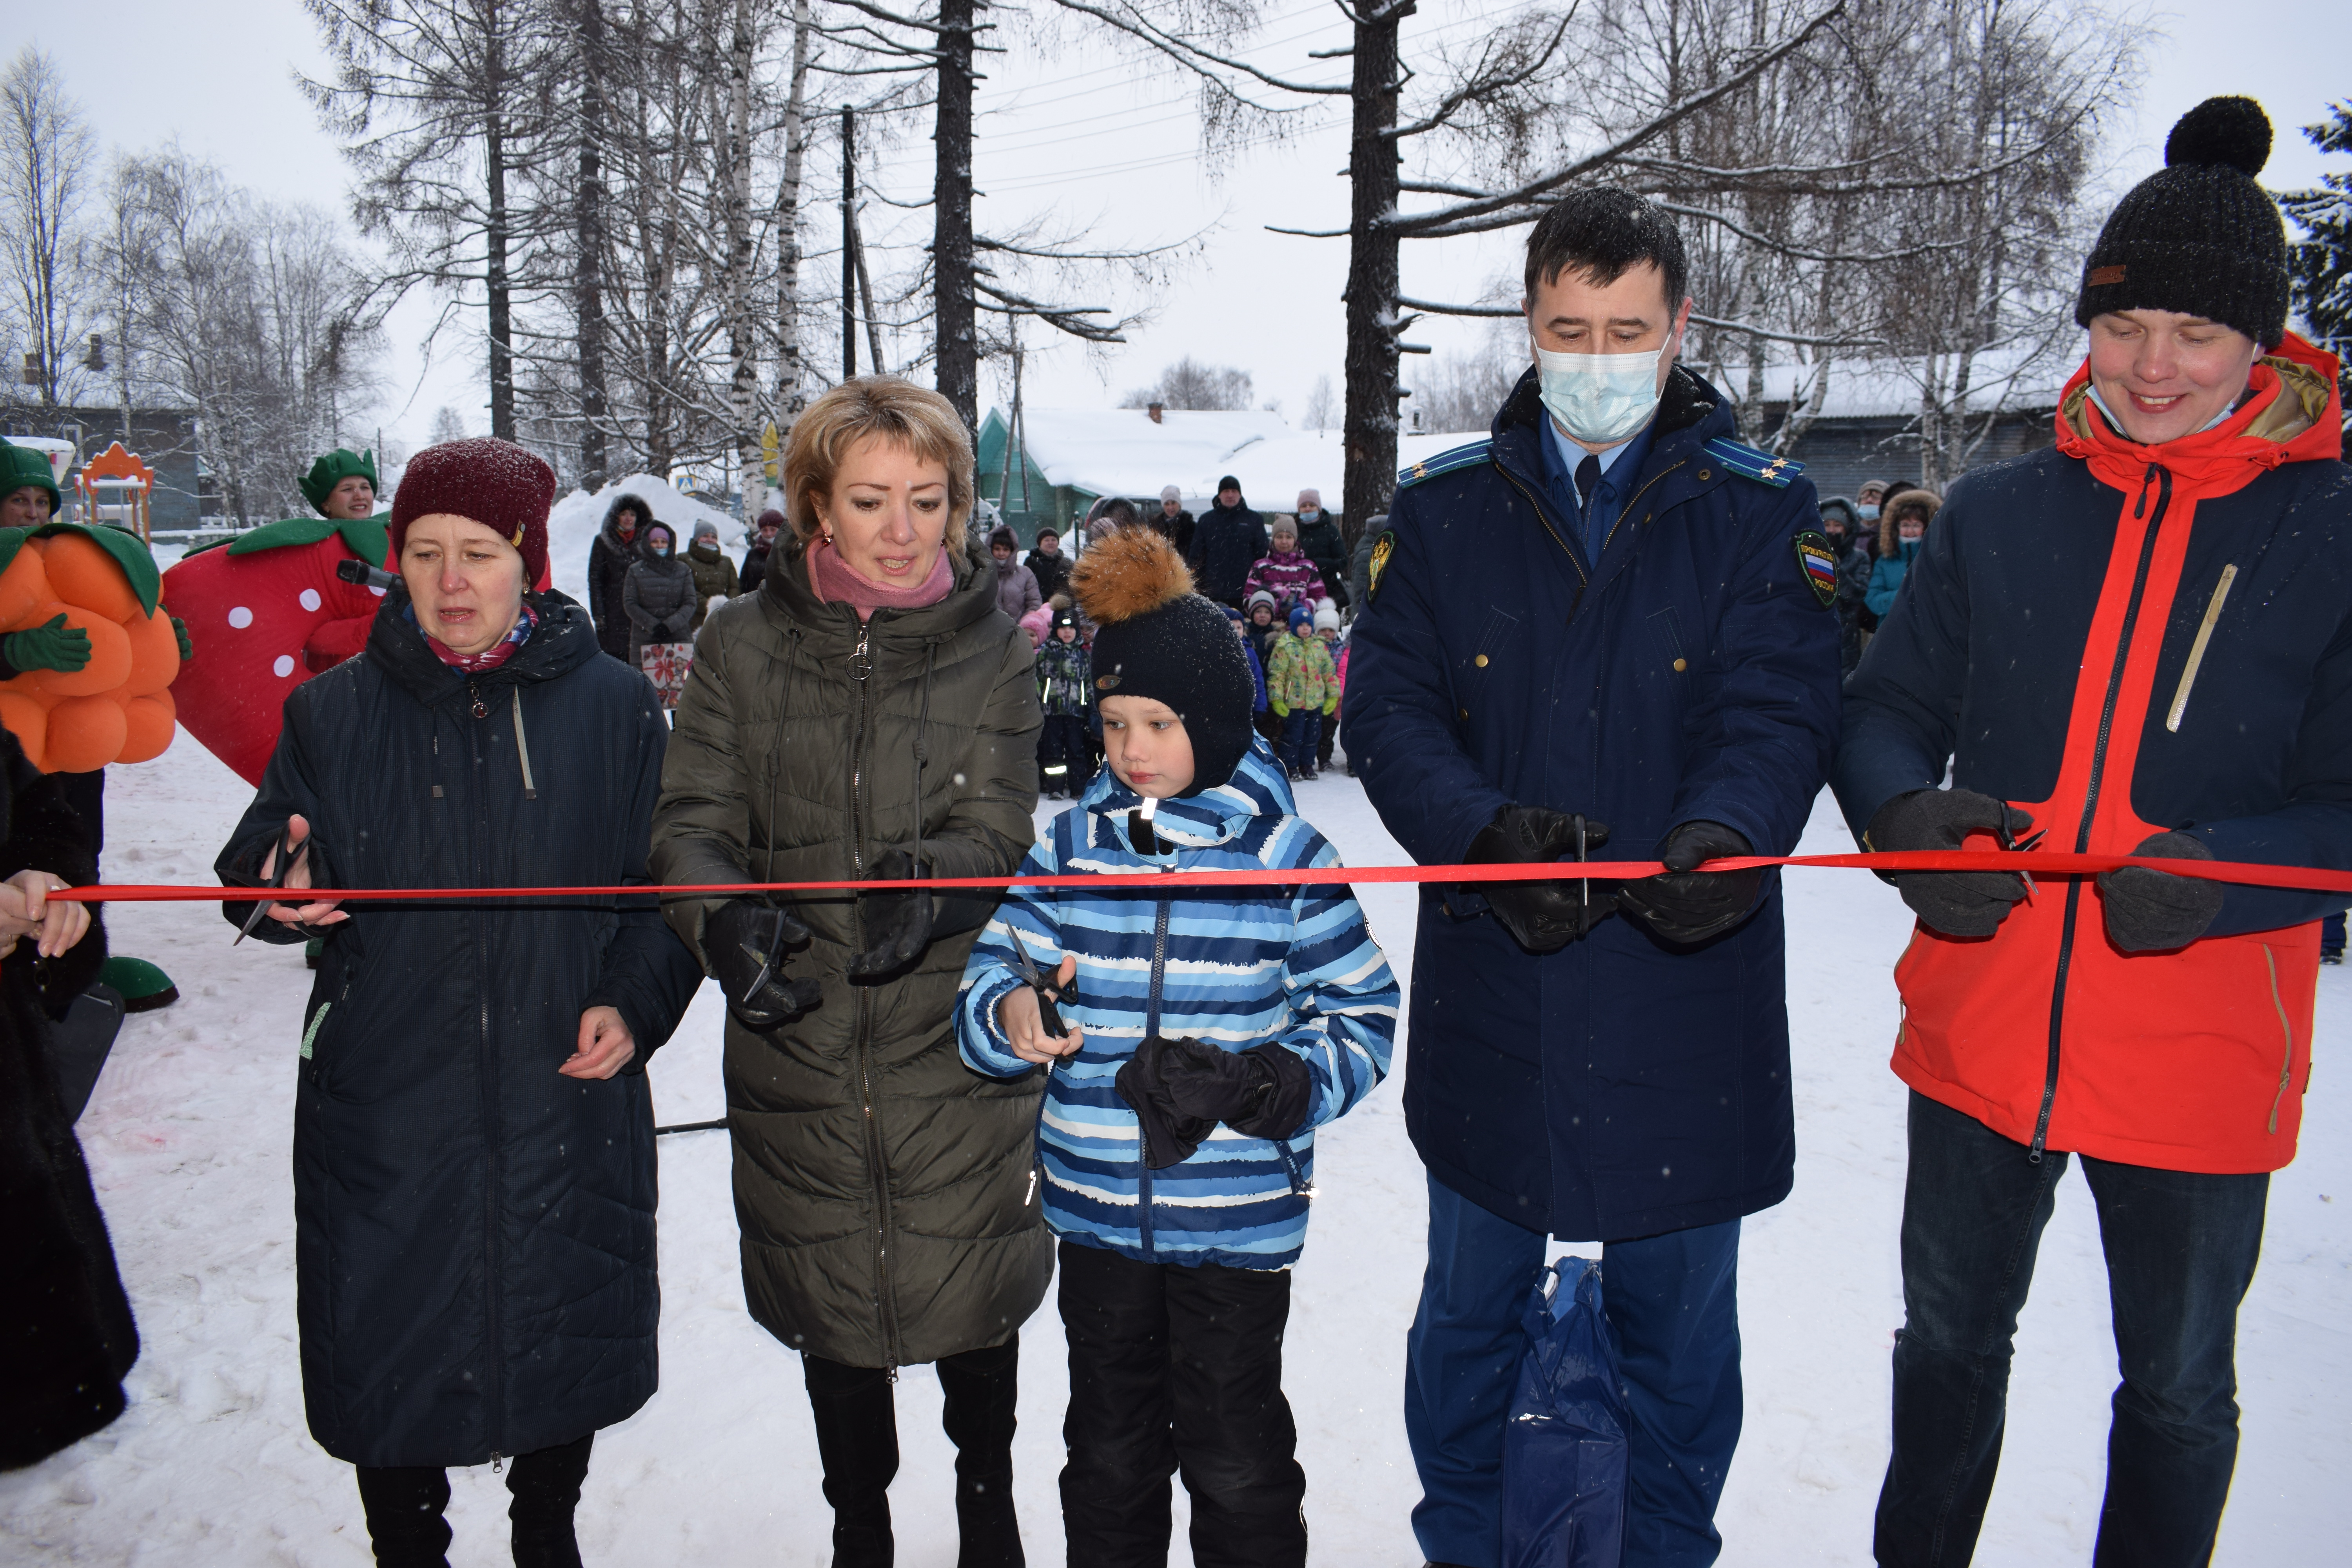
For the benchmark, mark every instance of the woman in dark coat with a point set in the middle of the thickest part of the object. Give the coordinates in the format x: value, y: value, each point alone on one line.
x: 609, y: 558
x: 659, y: 595
x: 62, y: 1310
x: 473, y: 1137
x: 868, y: 713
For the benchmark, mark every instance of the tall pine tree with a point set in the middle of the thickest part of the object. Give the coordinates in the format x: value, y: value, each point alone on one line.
x: 2320, y: 264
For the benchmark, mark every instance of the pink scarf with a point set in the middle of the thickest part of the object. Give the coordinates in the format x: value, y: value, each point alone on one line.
x: 836, y: 582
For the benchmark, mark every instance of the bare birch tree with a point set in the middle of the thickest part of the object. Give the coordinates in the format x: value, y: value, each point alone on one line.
x: 45, y: 158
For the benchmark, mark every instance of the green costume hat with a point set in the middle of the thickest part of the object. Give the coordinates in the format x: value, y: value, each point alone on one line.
x: 331, y: 470
x: 22, y: 466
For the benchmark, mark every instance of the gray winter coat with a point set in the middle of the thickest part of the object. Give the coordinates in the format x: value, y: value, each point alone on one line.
x: 883, y: 1188
x: 1016, y: 587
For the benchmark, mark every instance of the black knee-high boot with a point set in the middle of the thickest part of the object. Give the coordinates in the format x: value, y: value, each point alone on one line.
x: 857, y: 1441
x: 546, y: 1488
x: 405, y: 1505
x: 982, y: 1389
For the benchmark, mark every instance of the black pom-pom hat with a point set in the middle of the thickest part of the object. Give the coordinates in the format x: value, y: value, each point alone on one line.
x: 2198, y: 237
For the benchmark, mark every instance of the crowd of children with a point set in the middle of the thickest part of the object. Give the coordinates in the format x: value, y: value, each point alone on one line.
x: 1292, y: 639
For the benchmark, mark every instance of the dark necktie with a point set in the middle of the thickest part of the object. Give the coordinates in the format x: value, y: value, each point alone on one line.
x: 1588, y: 474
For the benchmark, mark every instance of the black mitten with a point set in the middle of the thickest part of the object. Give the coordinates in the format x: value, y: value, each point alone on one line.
x: 2156, y: 911
x: 744, y: 941
x: 898, y: 926
x: 1954, y: 903
x: 1689, y: 906
x: 1542, y: 917
x: 1263, y: 1092
x: 1169, y: 1135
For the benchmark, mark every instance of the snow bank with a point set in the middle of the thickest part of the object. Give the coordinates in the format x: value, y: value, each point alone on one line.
x: 572, y: 525
x: 188, y: 1137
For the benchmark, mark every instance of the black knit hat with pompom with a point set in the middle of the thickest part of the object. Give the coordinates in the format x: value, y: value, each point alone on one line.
x: 2198, y: 236
x: 1156, y: 638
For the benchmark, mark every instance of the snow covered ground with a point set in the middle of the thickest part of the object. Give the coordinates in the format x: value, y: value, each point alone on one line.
x: 187, y: 1136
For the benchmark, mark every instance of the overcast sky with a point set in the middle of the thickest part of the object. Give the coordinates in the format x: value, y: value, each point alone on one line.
x: 1103, y: 147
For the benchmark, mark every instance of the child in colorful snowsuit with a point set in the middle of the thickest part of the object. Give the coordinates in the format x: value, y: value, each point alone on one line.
x: 1208, y: 1032
x: 1327, y: 632
x: 1066, y: 684
x: 1286, y: 574
x: 1302, y: 685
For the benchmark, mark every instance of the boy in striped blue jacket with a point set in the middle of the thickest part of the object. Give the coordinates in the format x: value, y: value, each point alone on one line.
x: 1210, y: 1031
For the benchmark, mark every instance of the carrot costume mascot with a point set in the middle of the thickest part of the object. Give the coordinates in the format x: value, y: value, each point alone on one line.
x: 88, y: 655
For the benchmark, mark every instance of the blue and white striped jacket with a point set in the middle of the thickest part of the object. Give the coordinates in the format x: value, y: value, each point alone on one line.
x: 1234, y: 967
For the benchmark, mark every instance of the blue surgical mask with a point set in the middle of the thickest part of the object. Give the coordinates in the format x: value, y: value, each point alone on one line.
x: 1307, y: 514
x: 1600, y: 399
x: 1869, y: 512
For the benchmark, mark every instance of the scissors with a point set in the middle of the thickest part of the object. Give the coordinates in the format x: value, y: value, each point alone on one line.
x: 2008, y: 841
x: 276, y: 880
x: 1049, y: 1017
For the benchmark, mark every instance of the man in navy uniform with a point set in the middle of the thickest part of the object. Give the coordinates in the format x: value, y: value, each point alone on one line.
x: 1609, y: 624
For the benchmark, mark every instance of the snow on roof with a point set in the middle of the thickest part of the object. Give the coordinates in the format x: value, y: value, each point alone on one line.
x: 1884, y: 388
x: 1121, y: 452
x: 572, y: 523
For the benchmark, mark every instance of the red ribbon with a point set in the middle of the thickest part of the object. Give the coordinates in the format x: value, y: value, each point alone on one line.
x: 2036, y: 863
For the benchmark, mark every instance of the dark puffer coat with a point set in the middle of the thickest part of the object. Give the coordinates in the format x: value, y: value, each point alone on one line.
x: 62, y: 1310
x: 659, y: 598
x: 1226, y: 543
x: 1324, y: 542
x: 883, y: 1188
x: 609, y: 559
x: 474, y: 1230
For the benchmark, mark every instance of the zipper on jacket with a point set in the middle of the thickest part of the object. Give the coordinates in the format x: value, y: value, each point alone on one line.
x: 2161, y: 478
x: 877, y: 1164
x: 496, y: 1369
x: 1150, y: 1028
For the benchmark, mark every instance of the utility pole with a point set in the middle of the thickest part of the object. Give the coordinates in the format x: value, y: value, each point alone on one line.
x: 848, y: 242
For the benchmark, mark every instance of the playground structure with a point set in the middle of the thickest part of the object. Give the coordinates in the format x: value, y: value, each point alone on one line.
x: 130, y: 484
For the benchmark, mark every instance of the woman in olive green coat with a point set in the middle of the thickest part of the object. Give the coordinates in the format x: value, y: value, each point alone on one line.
x: 867, y: 711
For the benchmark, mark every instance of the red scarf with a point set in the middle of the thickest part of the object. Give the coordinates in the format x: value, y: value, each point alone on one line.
x: 490, y: 658
x: 834, y: 581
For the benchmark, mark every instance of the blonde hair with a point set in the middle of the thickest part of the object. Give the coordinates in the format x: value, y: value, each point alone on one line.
x: 899, y: 412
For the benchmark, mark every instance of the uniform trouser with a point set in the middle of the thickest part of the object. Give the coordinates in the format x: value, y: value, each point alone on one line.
x: 2181, y: 1249
x: 1178, y: 1367
x: 1673, y: 1300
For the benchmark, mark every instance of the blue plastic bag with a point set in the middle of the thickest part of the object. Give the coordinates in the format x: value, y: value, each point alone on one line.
x: 1564, y: 1451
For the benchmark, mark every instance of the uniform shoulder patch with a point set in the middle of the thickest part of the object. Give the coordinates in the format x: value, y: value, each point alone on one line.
x: 1750, y: 464
x: 1817, y: 563
x: 1464, y: 456
x: 1376, y: 568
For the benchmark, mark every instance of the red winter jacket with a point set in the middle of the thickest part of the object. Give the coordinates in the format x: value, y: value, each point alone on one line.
x: 2121, y: 640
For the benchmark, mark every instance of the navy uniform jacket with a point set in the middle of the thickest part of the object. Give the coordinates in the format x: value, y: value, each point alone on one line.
x: 1619, y: 1088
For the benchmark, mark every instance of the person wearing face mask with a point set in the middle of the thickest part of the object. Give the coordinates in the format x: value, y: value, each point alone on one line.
x: 2136, y: 642
x: 1901, y: 529
x: 1605, y: 631
x: 1869, y: 498
x: 658, y: 592
x: 1843, y: 525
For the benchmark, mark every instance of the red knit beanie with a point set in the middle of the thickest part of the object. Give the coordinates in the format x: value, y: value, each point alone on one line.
x: 494, y: 483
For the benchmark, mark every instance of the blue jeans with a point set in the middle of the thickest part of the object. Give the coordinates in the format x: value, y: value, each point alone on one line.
x: 1673, y: 1300
x: 1300, y: 730
x: 2181, y: 1249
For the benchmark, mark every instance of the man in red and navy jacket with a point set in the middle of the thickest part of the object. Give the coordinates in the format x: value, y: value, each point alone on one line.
x: 2138, y: 643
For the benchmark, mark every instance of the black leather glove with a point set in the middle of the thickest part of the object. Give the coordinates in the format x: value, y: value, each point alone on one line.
x: 1169, y: 1135
x: 660, y: 633
x: 744, y: 941
x: 2156, y: 911
x: 1687, y: 906
x: 1954, y: 903
x: 1262, y: 1092
x: 1542, y: 917
x: 898, y: 926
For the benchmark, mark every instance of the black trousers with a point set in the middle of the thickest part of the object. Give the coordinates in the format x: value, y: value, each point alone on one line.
x: 1065, y: 743
x: 857, y: 1442
x: 2181, y: 1248
x: 1178, y: 1368
x: 406, y: 1503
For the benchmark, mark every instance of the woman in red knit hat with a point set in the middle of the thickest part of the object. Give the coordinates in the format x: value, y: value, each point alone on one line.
x: 473, y: 1147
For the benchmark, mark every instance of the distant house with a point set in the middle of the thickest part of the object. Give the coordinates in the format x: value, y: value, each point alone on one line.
x: 1074, y: 456
x: 1868, y: 426
x: 165, y: 438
